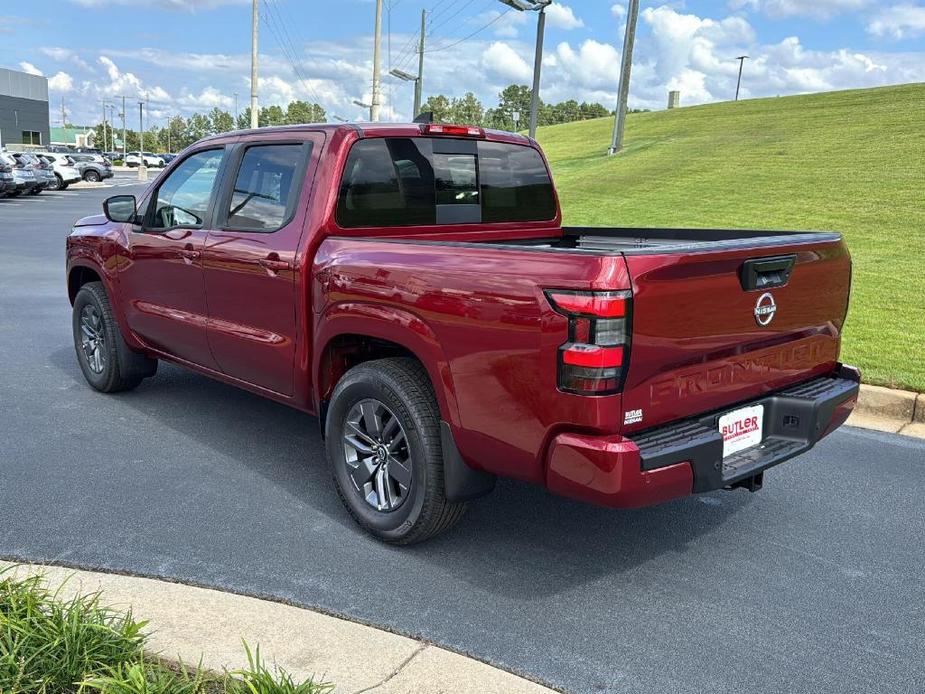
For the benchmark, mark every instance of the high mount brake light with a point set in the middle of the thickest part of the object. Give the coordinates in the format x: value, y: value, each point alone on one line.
x: 595, y: 359
x: 463, y: 130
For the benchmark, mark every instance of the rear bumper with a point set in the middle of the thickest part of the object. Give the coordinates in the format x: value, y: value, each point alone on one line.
x: 687, y: 457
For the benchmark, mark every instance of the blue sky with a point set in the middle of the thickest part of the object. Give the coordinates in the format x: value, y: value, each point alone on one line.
x: 188, y: 55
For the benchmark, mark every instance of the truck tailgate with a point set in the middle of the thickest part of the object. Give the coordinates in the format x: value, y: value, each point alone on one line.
x: 704, y: 338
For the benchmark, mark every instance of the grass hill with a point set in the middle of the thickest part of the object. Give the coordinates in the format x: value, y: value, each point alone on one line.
x: 851, y: 161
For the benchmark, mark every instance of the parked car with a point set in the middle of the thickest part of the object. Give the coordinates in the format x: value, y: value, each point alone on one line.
x: 93, y: 167
x: 135, y: 159
x: 24, y: 178
x: 413, y: 286
x: 113, y: 156
x: 42, y: 169
x: 64, y: 168
x: 87, y: 150
x: 167, y: 157
x: 7, y: 183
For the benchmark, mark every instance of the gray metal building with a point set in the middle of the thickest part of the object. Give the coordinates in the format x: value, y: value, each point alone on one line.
x: 23, y: 108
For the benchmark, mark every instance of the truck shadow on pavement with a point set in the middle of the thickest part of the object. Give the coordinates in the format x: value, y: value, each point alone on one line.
x: 520, y: 540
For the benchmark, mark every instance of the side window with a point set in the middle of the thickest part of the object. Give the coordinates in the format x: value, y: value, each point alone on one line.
x: 388, y: 182
x: 265, y: 192
x: 183, y: 198
x: 515, y: 184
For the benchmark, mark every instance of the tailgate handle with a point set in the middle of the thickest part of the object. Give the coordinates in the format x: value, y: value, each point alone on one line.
x: 766, y: 273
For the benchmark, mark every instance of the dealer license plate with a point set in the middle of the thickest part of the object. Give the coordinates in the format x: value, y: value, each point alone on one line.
x: 741, y: 429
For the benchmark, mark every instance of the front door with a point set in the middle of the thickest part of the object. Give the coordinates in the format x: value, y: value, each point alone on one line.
x: 162, y: 281
x: 251, y: 260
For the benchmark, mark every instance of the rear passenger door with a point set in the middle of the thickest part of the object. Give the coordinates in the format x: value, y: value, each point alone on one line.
x: 251, y: 259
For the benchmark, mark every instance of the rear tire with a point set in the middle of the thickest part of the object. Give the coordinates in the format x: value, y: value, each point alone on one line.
x: 105, y: 360
x: 91, y: 176
x: 58, y: 184
x: 400, y: 390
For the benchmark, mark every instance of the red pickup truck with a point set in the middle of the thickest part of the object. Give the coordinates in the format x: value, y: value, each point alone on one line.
x: 413, y: 286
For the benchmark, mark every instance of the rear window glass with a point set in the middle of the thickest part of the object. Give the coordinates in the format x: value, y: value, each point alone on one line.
x: 263, y: 190
x: 404, y: 182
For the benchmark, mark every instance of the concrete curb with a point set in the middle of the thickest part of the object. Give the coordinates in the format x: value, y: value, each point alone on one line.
x: 893, y: 411
x: 189, y: 624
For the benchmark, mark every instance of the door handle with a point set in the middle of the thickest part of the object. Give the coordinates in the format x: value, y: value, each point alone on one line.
x: 275, y: 264
x: 189, y: 254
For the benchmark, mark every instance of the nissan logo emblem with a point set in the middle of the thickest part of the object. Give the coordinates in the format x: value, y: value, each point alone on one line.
x: 765, y: 309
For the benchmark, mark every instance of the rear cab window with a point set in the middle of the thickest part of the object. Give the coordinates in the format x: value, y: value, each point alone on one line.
x: 266, y: 186
x: 417, y: 181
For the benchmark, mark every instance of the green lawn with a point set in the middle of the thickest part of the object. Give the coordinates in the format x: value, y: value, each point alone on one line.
x: 852, y: 162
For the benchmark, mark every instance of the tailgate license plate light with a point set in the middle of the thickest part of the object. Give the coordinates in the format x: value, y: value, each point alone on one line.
x: 741, y: 429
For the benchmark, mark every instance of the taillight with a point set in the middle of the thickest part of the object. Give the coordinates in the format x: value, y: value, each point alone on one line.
x: 595, y: 359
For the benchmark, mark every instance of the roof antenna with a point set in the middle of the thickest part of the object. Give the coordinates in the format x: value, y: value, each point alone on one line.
x: 424, y: 117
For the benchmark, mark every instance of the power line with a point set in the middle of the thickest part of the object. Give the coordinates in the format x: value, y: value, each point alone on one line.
x: 284, y: 42
x: 466, y: 38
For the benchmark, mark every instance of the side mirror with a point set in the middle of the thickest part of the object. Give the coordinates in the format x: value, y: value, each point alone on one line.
x: 121, y: 208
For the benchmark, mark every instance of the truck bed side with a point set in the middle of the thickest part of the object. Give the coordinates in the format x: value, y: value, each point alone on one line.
x: 477, y: 317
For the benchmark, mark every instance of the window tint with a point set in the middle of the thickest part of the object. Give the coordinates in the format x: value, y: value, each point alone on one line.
x: 515, y: 184
x: 263, y: 190
x: 456, y: 179
x: 183, y: 199
x: 387, y: 182
x: 404, y: 182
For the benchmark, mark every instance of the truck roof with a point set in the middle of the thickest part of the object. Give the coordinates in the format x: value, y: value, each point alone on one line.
x: 370, y: 130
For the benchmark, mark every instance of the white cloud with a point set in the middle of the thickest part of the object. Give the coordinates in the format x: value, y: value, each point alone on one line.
x: 30, y: 68
x: 800, y: 8
x: 500, y: 60
x: 562, y: 17
x: 899, y: 21
x: 618, y: 10
x: 65, y: 55
x: 61, y: 82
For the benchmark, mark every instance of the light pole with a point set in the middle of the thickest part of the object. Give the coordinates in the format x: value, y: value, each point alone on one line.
x: 235, y: 109
x: 408, y: 77
x: 741, y: 59
x: 626, y: 68
x: 367, y: 106
x: 538, y: 6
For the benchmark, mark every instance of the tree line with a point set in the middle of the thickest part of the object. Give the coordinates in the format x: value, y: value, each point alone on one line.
x: 511, y: 113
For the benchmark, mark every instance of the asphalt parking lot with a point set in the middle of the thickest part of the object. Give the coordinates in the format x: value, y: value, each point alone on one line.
x: 815, y: 584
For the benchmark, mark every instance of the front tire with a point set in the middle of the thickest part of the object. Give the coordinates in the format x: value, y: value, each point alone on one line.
x: 383, y: 441
x: 106, y: 361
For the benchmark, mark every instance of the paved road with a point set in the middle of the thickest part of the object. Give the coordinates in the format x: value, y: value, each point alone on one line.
x: 816, y: 584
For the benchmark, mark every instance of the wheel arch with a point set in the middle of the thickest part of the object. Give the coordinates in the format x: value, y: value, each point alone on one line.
x: 352, y: 333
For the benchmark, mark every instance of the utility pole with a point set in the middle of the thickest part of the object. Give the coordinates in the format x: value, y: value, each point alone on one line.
x: 254, y: 121
x: 741, y: 59
x: 419, y: 84
x: 626, y: 68
x: 377, y: 46
x: 142, y: 167
x: 235, y: 109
